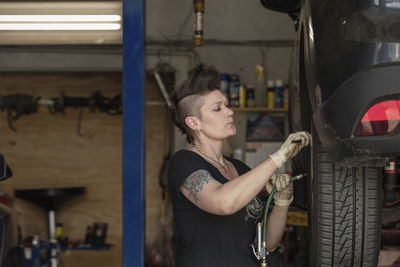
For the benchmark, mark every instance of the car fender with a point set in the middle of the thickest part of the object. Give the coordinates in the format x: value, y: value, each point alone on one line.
x: 310, y: 55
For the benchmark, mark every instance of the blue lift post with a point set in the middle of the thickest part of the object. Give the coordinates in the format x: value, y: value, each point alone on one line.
x: 133, y: 134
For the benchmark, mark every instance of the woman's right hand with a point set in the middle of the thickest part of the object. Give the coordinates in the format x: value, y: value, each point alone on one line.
x: 293, y: 144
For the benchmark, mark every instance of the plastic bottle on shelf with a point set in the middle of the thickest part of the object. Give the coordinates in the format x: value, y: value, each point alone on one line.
x: 260, y: 96
x: 270, y: 94
x: 242, y: 96
x: 234, y: 91
x: 286, y: 98
x: 250, y: 97
x: 224, y: 86
x: 279, y: 94
x: 89, y: 235
x: 59, y: 232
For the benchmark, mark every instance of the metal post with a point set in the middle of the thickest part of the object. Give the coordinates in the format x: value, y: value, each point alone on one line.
x: 133, y: 137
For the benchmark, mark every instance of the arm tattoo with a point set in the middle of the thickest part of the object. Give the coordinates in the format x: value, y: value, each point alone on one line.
x: 195, y: 182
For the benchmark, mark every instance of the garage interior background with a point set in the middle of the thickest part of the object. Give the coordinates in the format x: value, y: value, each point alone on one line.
x: 47, y: 152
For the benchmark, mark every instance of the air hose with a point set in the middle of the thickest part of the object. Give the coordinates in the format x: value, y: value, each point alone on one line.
x: 262, y: 246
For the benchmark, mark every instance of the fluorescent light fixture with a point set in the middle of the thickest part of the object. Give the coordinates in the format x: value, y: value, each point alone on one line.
x: 60, y: 22
x: 50, y: 22
x: 60, y: 18
x: 59, y: 26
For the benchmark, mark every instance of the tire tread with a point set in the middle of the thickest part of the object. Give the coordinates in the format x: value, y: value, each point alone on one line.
x: 348, y: 214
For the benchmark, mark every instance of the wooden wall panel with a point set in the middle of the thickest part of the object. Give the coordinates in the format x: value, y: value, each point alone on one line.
x: 47, y: 152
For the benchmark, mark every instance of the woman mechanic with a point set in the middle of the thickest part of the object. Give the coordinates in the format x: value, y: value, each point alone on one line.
x: 216, y: 199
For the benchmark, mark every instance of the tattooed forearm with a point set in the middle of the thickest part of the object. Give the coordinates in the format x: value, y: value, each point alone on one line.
x: 195, y: 182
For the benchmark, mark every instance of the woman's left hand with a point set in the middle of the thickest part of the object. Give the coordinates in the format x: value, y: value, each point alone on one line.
x: 284, y: 187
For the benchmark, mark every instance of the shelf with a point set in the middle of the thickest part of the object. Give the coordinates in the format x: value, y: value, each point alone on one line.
x: 259, y: 109
x: 73, y: 247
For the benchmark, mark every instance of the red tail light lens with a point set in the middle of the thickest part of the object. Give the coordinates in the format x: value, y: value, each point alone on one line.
x: 381, y: 119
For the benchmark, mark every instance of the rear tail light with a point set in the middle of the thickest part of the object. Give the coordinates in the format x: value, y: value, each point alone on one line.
x: 380, y: 119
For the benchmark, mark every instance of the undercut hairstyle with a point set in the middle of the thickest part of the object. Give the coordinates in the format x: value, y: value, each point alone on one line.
x: 188, y: 96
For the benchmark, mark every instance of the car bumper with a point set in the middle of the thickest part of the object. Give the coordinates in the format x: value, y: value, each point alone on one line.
x: 337, y: 118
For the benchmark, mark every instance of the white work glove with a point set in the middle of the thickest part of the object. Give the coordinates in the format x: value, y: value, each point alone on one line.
x: 284, y: 194
x: 289, y: 149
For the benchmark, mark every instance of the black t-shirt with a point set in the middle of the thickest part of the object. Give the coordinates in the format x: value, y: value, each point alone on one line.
x: 205, y: 239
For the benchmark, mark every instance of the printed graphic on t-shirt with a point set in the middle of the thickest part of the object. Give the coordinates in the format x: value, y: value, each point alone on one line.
x: 254, y: 209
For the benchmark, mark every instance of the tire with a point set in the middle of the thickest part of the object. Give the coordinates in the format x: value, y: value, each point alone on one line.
x: 345, y: 212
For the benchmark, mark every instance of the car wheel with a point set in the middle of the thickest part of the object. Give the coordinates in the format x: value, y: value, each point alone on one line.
x: 344, y: 212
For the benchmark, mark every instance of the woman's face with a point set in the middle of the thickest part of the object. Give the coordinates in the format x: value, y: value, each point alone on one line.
x: 216, y: 118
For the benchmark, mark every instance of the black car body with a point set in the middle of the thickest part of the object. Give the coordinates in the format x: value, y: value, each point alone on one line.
x: 352, y: 56
x: 345, y: 89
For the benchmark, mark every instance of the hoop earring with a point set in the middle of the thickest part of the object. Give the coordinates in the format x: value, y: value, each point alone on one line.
x: 198, y: 131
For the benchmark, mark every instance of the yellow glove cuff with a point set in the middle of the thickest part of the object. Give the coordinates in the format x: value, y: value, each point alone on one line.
x: 283, y: 203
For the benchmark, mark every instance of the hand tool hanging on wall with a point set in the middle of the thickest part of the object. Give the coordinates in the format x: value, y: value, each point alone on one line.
x: 164, y: 75
x: 21, y: 104
x: 17, y: 105
x: 111, y: 106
